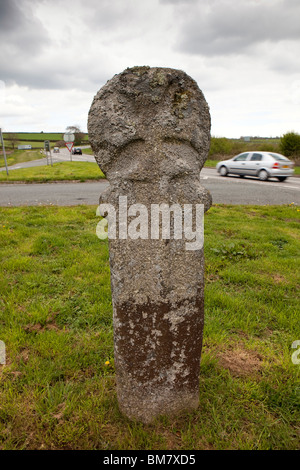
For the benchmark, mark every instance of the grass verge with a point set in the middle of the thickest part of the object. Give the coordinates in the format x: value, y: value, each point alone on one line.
x: 88, y: 151
x: 57, y: 388
x: 65, y: 171
x: 20, y: 156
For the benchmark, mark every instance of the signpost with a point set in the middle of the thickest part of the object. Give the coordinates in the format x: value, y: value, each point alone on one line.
x: 48, y: 149
x: 4, y: 154
x: 69, y: 140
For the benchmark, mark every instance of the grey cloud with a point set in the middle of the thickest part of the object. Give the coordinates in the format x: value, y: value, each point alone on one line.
x: 285, y: 59
x: 42, y: 75
x: 20, y: 31
x: 22, y: 39
x: 37, y: 79
x: 120, y: 21
x: 177, y: 2
x: 110, y: 16
x: 230, y: 27
x: 7, y: 14
x: 28, y: 54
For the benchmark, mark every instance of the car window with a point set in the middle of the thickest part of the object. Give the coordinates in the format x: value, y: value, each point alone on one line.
x: 278, y: 157
x: 257, y: 157
x: 241, y: 158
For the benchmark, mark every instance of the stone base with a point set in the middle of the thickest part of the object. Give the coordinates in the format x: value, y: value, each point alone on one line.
x: 146, y: 407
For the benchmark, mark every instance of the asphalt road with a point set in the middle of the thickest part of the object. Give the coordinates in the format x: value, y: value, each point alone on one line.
x: 228, y: 190
x: 248, y: 190
x: 224, y: 190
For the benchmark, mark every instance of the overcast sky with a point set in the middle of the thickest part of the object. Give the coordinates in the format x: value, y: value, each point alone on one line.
x: 244, y: 55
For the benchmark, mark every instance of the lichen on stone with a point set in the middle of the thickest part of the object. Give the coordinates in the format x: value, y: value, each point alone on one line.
x: 155, y: 99
x: 138, y: 70
x: 180, y: 102
x: 158, y: 79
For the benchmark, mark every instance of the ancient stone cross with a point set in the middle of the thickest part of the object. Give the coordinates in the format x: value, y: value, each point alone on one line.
x: 150, y: 132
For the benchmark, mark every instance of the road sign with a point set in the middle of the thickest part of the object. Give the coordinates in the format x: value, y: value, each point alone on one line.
x: 69, y: 137
x: 69, y: 145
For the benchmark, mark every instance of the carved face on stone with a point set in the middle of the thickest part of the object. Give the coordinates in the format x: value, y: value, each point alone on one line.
x: 150, y: 124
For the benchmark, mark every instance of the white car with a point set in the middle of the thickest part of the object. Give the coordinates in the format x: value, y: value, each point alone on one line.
x: 264, y: 165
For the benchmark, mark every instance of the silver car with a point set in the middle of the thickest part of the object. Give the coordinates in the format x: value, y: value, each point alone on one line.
x: 264, y: 165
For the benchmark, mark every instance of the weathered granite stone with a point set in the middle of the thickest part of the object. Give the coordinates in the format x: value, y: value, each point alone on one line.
x: 150, y: 132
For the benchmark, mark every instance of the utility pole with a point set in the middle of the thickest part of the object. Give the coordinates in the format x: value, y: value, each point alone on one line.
x: 4, y: 154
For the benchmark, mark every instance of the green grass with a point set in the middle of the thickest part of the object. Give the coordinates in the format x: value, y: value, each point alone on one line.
x: 88, y: 151
x: 56, y: 390
x: 20, y: 156
x: 64, y: 171
x: 210, y: 163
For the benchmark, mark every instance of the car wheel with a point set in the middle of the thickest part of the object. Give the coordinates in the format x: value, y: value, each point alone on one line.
x: 281, y: 178
x: 263, y: 175
x: 223, y: 171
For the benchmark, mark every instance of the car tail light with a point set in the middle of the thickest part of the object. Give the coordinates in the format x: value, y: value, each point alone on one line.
x: 276, y: 165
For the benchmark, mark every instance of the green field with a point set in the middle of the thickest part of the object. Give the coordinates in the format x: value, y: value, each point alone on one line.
x: 41, y: 136
x: 35, y: 139
x: 57, y: 389
x: 34, y: 144
x: 38, y: 136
